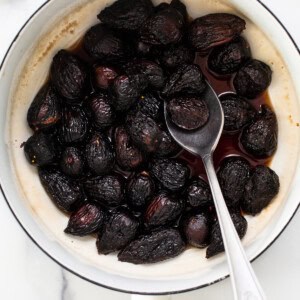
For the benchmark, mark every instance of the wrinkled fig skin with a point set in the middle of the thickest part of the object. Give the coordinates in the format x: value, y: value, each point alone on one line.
x: 99, y: 154
x: 228, y: 58
x: 105, y: 76
x: 237, y: 112
x: 260, y: 137
x: 103, y: 44
x: 153, y: 247
x: 86, y: 220
x: 252, y: 79
x: 216, y: 243
x: 233, y: 175
x: 126, y: 14
x: 171, y: 173
x: 167, y: 146
x: 102, y: 110
x: 72, y: 162
x: 188, y: 113
x: 45, y: 110
x: 128, y: 156
x: 187, y: 79
x: 163, y: 209
x: 180, y: 7
x: 106, y: 190
x: 163, y: 28
x: 142, y: 49
x: 144, y: 132
x: 260, y: 190
x: 40, y: 149
x: 64, y: 192
x: 118, y: 231
x: 69, y: 76
x: 74, y: 125
x: 214, y: 30
x: 196, y: 229
x: 140, y: 188
x: 198, y: 193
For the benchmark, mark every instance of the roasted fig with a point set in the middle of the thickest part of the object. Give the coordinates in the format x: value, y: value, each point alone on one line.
x: 40, y: 149
x: 233, y: 175
x: 261, y: 188
x: 198, y: 193
x: 252, y: 79
x: 127, y: 155
x: 86, y: 220
x: 69, y: 76
x: 171, y: 173
x: 118, y: 231
x: 188, y: 113
x: 153, y: 247
x: 99, y: 154
x: 107, y: 190
x: 64, y: 192
x: 260, y: 137
x: 105, y: 76
x: 228, y: 58
x: 126, y: 14
x: 167, y: 146
x: 45, y: 110
x: 187, y: 79
x: 213, y: 30
x: 140, y: 188
x: 72, y: 162
x: 237, y: 112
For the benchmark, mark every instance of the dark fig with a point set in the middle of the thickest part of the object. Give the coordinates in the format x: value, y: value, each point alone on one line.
x: 213, y: 30
x: 72, y: 162
x: 45, y: 109
x: 105, y: 76
x: 180, y: 7
x: 118, y: 231
x: 86, y: 220
x: 64, y: 192
x: 171, y: 173
x: 188, y: 113
x: 252, y: 79
x: 107, y: 190
x: 260, y: 137
x: 142, y: 48
x: 153, y: 247
x: 260, y: 190
x: 99, y: 154
x: 198, y: 193
x: 167, y: 145
x: 126, y: 14
x: 40, y: 149
x: 69, y: 76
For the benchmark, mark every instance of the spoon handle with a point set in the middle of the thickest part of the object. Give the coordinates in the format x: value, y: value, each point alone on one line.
x: 244, y: 282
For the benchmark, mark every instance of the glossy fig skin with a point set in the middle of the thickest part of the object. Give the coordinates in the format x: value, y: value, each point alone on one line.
x: 72, y: 162
x: 140, y: 189
x: 105, y: 76
x: 252, y: 79
x: 99, y: 153
x: 216, y: 243
x: 106, y: 190
x: 261, y: 188
x: 233, y: 175
x: 188, y: 113
x: 119, y: 230
x: 228, y: 58
x: 153, y: 247
x: 86, y: 220
x: 171, y: 173
x: 40, y: 149
x: 64, y: 192
x: 126, y: 14
x: 45, y: 109
x: 198, y: 193
x: 167, y: 146
x: 237, y: 112
x: 187, y: 79
x: 214, y: 30
x: 260, y: 137
x: 162, y: 210
x: 74, y: 125
x: 69, y: 76
x: 128, y: 157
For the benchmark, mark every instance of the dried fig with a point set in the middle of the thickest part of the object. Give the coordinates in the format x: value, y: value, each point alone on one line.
x: 72, y: 162
x: 198, y: 193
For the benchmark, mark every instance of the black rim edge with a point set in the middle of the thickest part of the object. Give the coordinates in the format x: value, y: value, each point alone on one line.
x: 109, y: 287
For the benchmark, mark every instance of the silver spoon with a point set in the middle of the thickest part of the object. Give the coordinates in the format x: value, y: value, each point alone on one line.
x: 202, y: 143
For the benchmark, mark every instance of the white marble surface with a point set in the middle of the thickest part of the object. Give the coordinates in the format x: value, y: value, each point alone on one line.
x: 28, y: 274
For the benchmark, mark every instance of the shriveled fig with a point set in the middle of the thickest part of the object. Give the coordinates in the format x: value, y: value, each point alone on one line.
x: 105, y: 76
x: 72, y: 162
x: 167, y: 146
x: 198, y: 193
